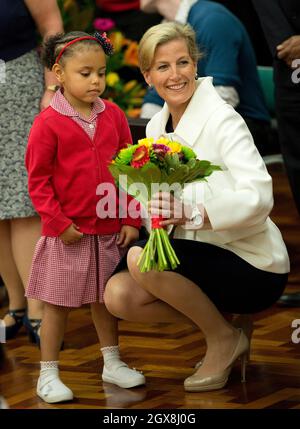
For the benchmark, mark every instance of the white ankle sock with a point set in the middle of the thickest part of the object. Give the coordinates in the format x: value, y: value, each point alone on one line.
x: 50, y: 388
x: 48, y: 367
x: 111, y: 356
x: 49, y: 364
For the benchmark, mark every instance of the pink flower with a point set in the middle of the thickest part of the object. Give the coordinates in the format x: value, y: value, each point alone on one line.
x: 160, y: 150
x: 103, y: 24
x: 161, y: 147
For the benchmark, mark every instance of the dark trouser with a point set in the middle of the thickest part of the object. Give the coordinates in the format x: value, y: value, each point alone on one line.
x: 287, y: 99
x: 264, y: 136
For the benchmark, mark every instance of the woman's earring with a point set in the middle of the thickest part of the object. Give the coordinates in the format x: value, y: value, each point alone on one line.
x: 196, y: 77
x: 150, y: 85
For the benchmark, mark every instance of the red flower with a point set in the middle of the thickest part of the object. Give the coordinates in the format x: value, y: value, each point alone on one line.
x: 140, y: 157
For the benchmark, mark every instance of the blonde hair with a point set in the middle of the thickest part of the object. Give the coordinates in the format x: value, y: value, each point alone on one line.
x: 163, y: 33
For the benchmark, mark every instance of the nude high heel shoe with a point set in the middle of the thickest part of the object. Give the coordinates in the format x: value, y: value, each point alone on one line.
x: 202, y: 384
x: 245, y: 322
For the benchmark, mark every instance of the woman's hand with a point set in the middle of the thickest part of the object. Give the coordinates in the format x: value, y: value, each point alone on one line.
x: 128, y: 235
x: 174, y: 211
x: 71, y: 234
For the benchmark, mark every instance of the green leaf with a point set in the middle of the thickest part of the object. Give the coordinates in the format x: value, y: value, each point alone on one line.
x: 152, y: 174
x: 172, y: 161
x: 146, y: 175
x: 188, y: 153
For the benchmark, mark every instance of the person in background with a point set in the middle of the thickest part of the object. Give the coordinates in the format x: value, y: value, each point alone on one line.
x: 127, y: 16
x: 228, y: 57
x: 69, y: 147
x: 245, y: 12
x: 25, y: 89
x: 280, y: 20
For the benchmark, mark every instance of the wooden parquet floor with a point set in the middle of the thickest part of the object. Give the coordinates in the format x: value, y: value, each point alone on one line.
x: 166, y: 353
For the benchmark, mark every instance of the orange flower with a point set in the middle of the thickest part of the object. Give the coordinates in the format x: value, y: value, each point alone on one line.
x: 133, y: 112
x: 129, y: 85
x: 140, y: 157
x: 131, y: 56
x: 126, y: 42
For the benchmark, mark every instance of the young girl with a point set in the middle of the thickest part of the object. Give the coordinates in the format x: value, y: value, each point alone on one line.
x: 69, y: 147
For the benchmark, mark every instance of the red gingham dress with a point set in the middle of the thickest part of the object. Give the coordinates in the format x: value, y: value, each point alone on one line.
x: 74, y: 274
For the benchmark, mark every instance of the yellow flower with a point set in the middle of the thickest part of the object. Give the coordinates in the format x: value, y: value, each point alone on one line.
x: 174, y: 146
x: 117, y: 40
x: 163, y: 140
x: 112, y: 78
x: 146, y: 141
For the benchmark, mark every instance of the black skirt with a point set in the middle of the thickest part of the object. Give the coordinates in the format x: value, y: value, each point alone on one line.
x: 231, y: 283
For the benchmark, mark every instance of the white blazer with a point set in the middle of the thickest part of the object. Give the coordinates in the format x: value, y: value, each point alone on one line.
x: 237, y: 199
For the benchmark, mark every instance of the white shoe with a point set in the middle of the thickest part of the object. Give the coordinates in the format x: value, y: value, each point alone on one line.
x: 123, y: 376
x: 51, y: 389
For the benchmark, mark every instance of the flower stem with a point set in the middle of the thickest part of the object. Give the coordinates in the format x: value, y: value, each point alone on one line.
x: 158, y: 253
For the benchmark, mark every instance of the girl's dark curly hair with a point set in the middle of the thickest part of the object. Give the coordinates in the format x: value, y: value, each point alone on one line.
x: 54, y: 44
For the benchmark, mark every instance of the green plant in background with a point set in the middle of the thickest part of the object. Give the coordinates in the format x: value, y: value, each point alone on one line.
x: 77, y: 14
x: 127, y: 95
x: 124, y: 83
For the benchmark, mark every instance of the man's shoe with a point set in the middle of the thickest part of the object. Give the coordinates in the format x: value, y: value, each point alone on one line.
x: 51, y: 389
x: 123, y: 376
x: 289, y: 300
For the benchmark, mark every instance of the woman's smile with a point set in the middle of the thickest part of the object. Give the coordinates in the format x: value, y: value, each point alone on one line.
x: 177, y: 86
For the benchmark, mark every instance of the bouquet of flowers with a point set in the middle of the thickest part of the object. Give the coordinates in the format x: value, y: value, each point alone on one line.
x: 147, y: 166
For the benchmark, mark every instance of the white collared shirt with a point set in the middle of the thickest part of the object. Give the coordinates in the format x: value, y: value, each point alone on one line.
x: 184, y: 10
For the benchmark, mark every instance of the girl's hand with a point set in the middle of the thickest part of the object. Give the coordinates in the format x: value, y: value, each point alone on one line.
x: 128, y: 235
x: 174, y: 211
x: 71, y: 234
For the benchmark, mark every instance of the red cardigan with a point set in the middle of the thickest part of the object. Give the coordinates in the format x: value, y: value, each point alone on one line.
x: 65, y: 168
x: 118, y: 5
